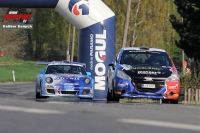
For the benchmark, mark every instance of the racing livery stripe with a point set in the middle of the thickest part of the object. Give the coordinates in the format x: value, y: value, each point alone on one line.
x: 29, y: 3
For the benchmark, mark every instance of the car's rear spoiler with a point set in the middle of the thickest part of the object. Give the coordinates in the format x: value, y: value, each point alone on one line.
x: 46, y: 63
x: 42, y: 63
x: 83, y: 64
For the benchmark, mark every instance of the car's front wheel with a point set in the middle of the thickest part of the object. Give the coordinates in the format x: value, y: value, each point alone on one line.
x: 111, y: 95
x: 170, y: 101
x: 38, y: 95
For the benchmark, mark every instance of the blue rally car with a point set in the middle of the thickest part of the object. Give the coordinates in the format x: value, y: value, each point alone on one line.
x: 142, y: 72
x: 64, y: 78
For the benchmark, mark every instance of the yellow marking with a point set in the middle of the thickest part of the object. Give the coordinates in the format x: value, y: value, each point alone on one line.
x: 118, y: 92
x: 176, y: 95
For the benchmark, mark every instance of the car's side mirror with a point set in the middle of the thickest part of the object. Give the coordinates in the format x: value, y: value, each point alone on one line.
x: 42, y: 72
x: 89, y: 73
x: 111, y: 65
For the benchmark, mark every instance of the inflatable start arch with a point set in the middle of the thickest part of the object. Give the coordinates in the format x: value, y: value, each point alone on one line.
x: 96, y: 24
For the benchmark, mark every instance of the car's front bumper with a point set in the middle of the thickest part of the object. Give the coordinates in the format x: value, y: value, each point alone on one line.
x: 129, y: 89
x: 79, y: 93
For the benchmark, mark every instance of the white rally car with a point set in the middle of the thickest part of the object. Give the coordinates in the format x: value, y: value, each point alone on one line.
x: 64, y: 78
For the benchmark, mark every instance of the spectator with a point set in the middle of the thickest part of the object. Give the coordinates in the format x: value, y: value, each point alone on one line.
x: 185, y: 65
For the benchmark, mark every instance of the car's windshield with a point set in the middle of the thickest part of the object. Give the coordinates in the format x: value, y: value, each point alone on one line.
x: 146, y: 58
x: 70, y: 69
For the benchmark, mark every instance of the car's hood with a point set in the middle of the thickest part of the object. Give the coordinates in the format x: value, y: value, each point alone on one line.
x: 147, y: 71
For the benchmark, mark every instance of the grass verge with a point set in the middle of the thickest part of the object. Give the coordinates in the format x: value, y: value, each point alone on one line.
x: 24, y: 71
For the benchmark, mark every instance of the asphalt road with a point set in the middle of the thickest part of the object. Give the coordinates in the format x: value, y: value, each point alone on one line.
x: 20, y: 112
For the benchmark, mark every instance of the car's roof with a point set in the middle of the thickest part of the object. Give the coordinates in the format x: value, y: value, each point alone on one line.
x: 143, y: 48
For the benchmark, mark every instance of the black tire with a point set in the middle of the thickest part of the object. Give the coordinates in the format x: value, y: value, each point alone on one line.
x: 174, y: 101
x: 165, y: 101
x: 39, y: 96
x: 170, y: 101
x: 111, y: 96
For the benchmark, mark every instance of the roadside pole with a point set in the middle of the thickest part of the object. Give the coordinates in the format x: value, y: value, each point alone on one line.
x: 73, y: 41
x: 68, y: 43
x: 183, y: 59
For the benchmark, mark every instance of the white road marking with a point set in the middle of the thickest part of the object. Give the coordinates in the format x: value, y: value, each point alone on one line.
x: 30, y: 110
x: 161, y: 124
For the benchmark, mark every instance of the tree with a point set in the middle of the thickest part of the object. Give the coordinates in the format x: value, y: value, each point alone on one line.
x: 50, y: 33
x: 188, y: 27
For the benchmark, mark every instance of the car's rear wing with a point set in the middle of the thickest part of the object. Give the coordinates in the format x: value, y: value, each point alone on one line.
x: 64, y: 61
x: 83, y: 64
x: 42, y: 63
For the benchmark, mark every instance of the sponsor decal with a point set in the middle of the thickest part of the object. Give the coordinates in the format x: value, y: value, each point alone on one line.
x: 172, y: 86
x: 87, y: 87
x: 59, y: 90
x: 65, y: 78
x: 79, y: 7
x: 20, y: 15
x: 126, y: 67
x: 149, y: 72
x: 147, y: 68
x: 148, y: 79
x: 100, y: 57
x: 121, y: 85
x: 125, y: 84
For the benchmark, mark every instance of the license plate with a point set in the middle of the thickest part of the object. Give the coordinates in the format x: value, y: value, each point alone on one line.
x: 69, y: 89
x: 148, y: 86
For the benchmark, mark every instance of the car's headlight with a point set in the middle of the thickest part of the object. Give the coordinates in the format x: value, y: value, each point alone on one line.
x: 49, y: 80
x: 123, y: 75
x: 87, y: 81
x: 173, y: 76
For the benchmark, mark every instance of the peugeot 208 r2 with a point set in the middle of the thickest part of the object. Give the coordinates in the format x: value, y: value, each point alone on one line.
x: 142, y: 72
